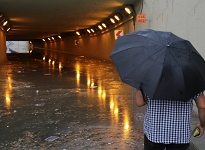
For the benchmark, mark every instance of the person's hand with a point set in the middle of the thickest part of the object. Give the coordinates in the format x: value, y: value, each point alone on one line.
x: 201, y: 130
x: 140, y: 99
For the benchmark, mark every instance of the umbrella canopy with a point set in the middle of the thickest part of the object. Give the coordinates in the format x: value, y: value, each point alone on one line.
x: 161, y: 64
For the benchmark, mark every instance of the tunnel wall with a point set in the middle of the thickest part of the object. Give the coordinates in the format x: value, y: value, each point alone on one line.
x: 99, y: 46
x: 2, y: 47
x: 184, y: 18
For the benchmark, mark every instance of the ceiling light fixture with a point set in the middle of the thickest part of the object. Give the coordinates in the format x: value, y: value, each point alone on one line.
x: 117, y: 18
x: 78, y: 33
x: 128, y: 10
x: 112, y: 20
x: 5, y: 23
x: 92, y: 30
x: 104, y: 25
x: 88, y: 31
x: 100, y: 27
x: 8, y: 29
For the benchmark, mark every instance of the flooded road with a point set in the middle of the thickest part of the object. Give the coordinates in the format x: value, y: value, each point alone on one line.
x: 81, y: 104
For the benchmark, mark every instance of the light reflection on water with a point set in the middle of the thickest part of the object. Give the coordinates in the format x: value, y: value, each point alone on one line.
x: 8, y: 92
x: 8, y: 100
x: 114, y: 111
x: 77, y: 68
x: 88, y: 88
x: 95, y: 80
x: 126, y: 123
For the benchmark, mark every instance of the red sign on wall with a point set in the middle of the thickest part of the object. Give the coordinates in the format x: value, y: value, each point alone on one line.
x: 141, y: 18
x: 118, y: 33
x: 77, y: 42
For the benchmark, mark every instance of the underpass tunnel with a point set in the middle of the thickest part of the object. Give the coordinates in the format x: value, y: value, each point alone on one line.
x: 94, y: 42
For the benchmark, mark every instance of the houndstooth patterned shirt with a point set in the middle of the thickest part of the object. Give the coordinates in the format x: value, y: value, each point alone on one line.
x: 168, y: 121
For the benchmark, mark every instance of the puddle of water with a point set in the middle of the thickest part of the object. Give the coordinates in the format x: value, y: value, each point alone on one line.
x: 43, y: 100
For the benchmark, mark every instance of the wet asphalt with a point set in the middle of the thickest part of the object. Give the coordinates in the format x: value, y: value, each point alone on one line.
x: 81, y: 105
x: 40, y: 99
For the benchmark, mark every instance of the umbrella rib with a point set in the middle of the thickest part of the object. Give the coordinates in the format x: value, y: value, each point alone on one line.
x: 178, y: 52
x: 152, y: 65
x: 151, y: 39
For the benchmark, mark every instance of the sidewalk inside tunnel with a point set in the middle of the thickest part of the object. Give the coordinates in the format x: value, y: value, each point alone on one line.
x: 81, y: 105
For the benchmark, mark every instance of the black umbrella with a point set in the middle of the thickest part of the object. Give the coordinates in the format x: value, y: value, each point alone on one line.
x: 161, y: 64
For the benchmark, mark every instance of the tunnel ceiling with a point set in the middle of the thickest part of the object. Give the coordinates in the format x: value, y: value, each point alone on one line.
x: 37, y: 19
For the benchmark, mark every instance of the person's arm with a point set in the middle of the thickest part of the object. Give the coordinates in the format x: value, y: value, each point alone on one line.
x: 139, y: 99
x: 200, y: 103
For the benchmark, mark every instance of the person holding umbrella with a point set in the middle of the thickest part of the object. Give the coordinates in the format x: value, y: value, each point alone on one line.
x: 169, y: 74
x: 166, y: 126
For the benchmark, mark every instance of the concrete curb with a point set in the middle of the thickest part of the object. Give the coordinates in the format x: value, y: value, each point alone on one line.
x: 192, y: 147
